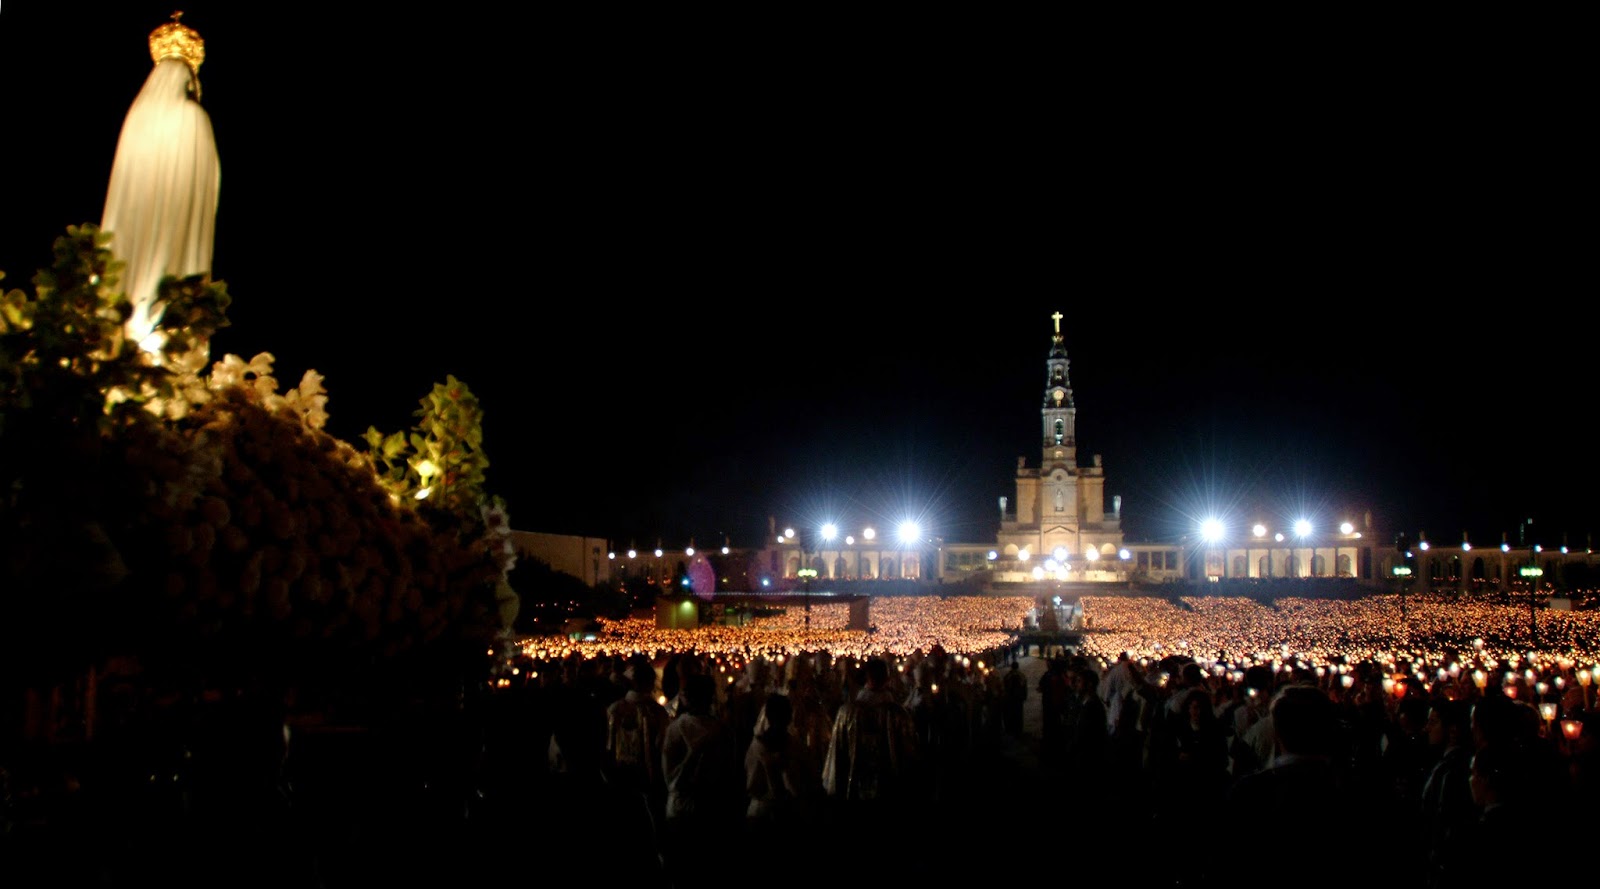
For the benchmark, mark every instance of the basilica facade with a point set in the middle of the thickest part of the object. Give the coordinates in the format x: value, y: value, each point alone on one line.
x: 1053, y: 528
x: 1055, y: 531
x: 1059, y: 526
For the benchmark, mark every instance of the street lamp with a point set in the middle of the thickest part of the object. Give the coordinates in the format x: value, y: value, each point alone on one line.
x: 1402, y: 571
x: 1211, y: 532
x: 1402, y: 576
x: 806, y: 574
x: 829, y: 532
x: 1531, y: 574
x: 1302, y: 529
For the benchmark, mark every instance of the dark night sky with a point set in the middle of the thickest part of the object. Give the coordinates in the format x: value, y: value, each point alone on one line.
x: 695, y: 287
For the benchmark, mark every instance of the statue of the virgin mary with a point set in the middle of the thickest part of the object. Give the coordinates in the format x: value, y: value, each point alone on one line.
x: 161, y: 205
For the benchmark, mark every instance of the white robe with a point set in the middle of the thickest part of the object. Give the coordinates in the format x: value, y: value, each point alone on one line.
x: 161, y: 205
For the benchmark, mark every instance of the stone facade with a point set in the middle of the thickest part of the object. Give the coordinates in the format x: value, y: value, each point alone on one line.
x: 586, y: 558
x: 1060, y: 529
x: 1055, y: 529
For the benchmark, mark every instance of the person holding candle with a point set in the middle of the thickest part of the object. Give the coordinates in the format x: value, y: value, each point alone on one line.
x: 636, y: 725
x: 1134, y: 701
x: 575, y: 752
x: 1244, y: 756
x: 1054, y: 689
x: 1087, y: 747
x: 811, y: 721
x: 1309, y: 775
x: 927, y: 708
x: 1118, y: 680
x: 1190, y: 679
x: 700, y: 764
x: 1369, y: 715
x: 1446, y: 808
x: 1015, y: 691
x: 872, y: 758
x: 1260, y: 741
x: 1199, y: 771
x: 1407, y: 756
x: 782, y: 781
x: 745, y: 697
x: 679, y: 667
x: 1509, y: 785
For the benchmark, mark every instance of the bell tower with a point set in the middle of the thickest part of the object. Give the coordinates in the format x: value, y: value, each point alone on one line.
x: 1060, y: 416
x: 1060, y: 519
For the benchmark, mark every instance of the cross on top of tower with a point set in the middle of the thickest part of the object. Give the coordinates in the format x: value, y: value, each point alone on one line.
x: 1057, y: 318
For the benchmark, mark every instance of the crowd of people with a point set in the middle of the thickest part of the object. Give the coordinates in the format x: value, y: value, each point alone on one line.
x: 1416, y: 766
x: 715, y: 771
x: 1328, y: 782
x: 1328, y: 775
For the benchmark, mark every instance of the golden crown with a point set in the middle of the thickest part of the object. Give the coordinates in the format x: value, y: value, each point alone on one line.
x: 174, y: 40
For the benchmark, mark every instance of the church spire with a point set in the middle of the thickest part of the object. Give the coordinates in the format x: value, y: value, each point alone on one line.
x: 1059, y: 413
x: 1058, y: 387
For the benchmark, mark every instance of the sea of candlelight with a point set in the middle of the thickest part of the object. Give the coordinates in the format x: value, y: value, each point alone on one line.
x: 1438, y: 638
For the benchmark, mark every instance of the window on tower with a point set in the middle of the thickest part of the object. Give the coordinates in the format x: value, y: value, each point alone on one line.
x: 1061, y: 430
